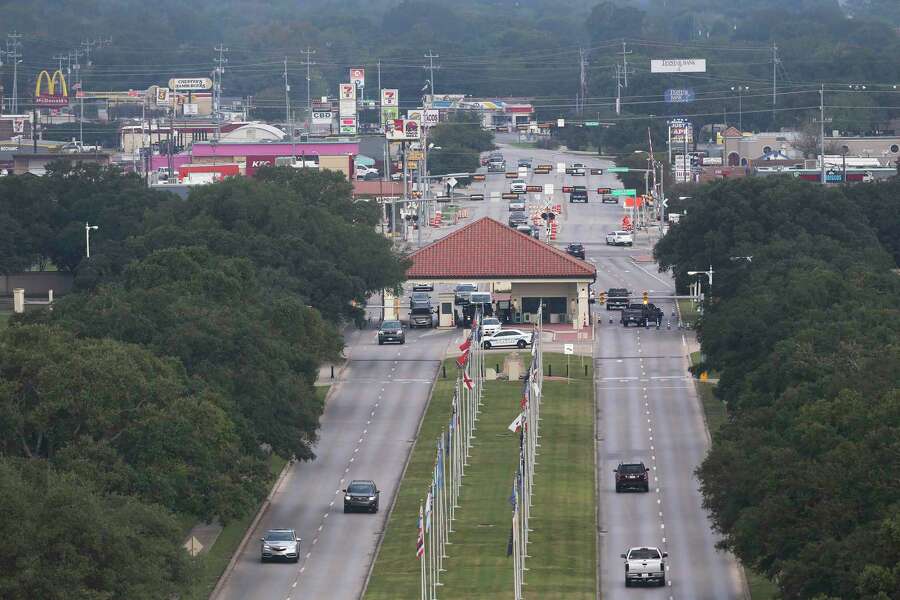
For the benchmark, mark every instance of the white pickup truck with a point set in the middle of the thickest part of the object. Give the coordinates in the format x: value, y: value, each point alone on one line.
x: 645, y: 565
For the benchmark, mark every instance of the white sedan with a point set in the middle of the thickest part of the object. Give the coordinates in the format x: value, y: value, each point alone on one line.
x: 518, y: 186
x: 619, y: 238
x: 490, y: 326
x: 507, y: 338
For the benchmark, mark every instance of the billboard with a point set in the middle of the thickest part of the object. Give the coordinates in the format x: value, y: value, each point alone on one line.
x: 680, y: 132
x: 347, y: 91
x: 358, y: 77
x: 415, y: 115
x: 53, y: 97
x: 430, y: 117
x: 190, y: 84
x: 402, y: 129
x: 322, y: 117
x: 348, y: 125
x: 678, y: 65
x: 389, y: 113
x: 191, y: 108
x: 390, y: 98
x: 679, y: 95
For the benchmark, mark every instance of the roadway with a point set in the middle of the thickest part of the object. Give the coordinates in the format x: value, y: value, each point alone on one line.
x: 373, y: 411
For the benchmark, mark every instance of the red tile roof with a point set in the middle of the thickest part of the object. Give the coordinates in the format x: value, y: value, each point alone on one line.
x: 488, y: 249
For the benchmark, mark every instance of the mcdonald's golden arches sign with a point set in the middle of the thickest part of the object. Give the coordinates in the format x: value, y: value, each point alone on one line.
x: 57, y: 94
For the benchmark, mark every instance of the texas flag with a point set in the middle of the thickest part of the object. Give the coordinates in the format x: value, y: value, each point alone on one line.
x: 465, y: 345
x: 463, y: 359
x: 468, y: 380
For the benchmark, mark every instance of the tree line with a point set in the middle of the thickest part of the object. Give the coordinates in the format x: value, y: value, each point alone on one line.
x: 801, y: 323
x: 189, y: 348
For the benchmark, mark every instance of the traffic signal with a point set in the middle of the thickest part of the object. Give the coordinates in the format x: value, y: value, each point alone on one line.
x: 646, y: 298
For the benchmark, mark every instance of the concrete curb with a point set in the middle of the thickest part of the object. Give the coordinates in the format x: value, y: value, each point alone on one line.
x: 390, y: 511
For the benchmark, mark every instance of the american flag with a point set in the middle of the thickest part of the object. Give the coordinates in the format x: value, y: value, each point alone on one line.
x: 463, y: 359
x: 420, y: 541
x: 467, y: 380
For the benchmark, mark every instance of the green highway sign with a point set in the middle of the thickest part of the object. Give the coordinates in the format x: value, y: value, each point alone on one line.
x: 592, y: 123
x: 625, y: 192
x: 617, y: 170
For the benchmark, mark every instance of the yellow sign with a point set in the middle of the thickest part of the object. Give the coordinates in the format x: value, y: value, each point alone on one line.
x: 414, y: 155
x: 52, y: 97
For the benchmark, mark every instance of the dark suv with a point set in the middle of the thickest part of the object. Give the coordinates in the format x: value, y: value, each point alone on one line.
x: 578, y: 194
x: 632, y: 476
x: 518, y: 217
x: 576, y: 250
x: 391, y: 331
x: 361, y: 495
x: 617, y: 298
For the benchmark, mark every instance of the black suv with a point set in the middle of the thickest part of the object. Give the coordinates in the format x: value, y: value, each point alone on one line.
x: 641, y: 315
x: 518, y: 217
x: 578, y: 194
x: 361, y: 495
x: 391, y: 331
x: 632, y: 476
x: 617, y: 298
x: 576, y: 250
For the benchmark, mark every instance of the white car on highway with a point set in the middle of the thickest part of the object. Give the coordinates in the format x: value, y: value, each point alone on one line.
x: 507, y: 338
x: 518, y: 186
x: 619, y: 238
x: 645, y: 565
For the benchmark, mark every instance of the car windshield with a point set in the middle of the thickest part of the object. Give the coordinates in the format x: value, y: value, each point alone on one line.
x: 391, y: 325
x: 420, y: 297
x: 491, y: 322
x: 634, y: 468
x: 644, y: 553
x: 280, y: 536
x: 361, y: 488
x: 466, y: 287
x: 518, y: 181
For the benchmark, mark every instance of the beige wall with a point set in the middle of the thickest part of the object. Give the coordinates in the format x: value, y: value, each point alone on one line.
x: 336, y: 163
x: 575, y: 293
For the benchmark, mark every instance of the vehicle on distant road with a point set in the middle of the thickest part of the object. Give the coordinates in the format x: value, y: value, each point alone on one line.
x: 280, y: 544
x: 617, y: 298
x: 575, y: 249
x: 518, y: 204
x: 645, y: 565
x: 619, y: 238
x: 463, y: 292
x: 518, y: 186
x: 423, y: 286
x: 490, y: 326
x: 506, y: 338
x: 632, y: 476
x: 496, y: 163
x: 518, y: 217
x: 391, y: 331
x: 525, y: 162
x: 361, y: 495
x: 578, y: 169
x: 419, y: 298
x: 604, y: 198
x: 525, y: 228
x: 641, y: 315
x: 578, y: 194
x: 363, y: 172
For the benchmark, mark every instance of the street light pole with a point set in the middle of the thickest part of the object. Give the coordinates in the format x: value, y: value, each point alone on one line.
x: 87, y: 238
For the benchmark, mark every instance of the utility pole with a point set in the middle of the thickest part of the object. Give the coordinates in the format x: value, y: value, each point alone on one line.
x: 625, y: 62
x: 430, y: 56
x: 60, y: 58
x: 308, y: 52
x: 774, y: 77
x: 618, y: 89
x: 386, y: 152
x: 12, y: 51
x: 287, y: 101
x: 582, y: 82
x: 821, y: 130
x: 217, y: 86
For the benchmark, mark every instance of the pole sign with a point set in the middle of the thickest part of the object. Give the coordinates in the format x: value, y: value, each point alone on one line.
x: 163, y: 98
x: 322, y: 117
x: 358, y: 77
x: 348, y: 125
x: 624, y: 192
x: 390, y: 97
x: 680, y: 132
x: 347, y: 91
x: 53, y: 97
x: 402, y: 130
x: 190, y: 84
x: 676, y: 95
x: 678, y: 65
x: 430, y: 117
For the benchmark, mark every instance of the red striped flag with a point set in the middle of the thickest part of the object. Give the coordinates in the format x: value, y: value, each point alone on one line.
x: 467, y: 380
x: 420, y: 541
x: 463, y: 359
x: 465, y: 345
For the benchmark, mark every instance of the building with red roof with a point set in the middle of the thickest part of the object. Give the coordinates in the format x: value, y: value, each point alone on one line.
x: 500, y: 258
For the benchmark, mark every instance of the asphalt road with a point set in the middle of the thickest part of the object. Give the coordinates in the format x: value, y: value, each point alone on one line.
x: 370, y: 422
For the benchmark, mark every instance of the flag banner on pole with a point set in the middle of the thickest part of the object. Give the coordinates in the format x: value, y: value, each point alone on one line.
x: 465, y: 345
x: 428, y: 512
x: 517, y: 423
x: 524, y: 402
x: 468, y: 380
x: 420, y: 541
x: 463, y: 359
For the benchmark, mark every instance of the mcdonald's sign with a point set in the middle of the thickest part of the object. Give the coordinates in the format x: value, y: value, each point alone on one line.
x: 53, y: 97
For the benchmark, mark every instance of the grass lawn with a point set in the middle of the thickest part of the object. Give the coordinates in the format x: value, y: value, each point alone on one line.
x: 689, y: 312
x: 523, y: 144
x: 4, y: 317
x: 760, y: 587
x: 562, y: 544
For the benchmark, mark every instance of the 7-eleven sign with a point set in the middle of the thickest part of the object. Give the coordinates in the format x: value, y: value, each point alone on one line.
x: 389, y: 97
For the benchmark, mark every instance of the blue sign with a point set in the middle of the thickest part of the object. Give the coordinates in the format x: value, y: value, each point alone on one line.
x: 680, y: 95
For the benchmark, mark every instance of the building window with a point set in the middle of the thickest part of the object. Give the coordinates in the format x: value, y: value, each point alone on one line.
x: 733, y: 159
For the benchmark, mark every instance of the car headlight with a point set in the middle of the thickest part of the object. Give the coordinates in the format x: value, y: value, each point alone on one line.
x: 267, y: 547
x: 347, y: 498
x: 371, y: 498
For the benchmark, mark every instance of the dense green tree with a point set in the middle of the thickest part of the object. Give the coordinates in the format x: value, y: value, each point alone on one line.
x: 60, y: 539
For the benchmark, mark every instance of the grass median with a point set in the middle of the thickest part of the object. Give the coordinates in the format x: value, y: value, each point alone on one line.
x: 562, y: 544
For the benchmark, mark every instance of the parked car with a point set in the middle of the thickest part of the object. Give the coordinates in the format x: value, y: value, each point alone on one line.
x: 619, y: 238
x: 576, y: 250
x: 280, y: 544
x: 517, y: 186
x: 361, y: 495
x: 490, y: 326
x: 632, y: 476
x: 518, y: 204
x: 391, y: 331
x: 423, y: 286
x: 363, y: 171
x: 462, y: 292
x: 578, y: 194
x: 645, y: 565
x: 506, y: 338
x: 617, y: 298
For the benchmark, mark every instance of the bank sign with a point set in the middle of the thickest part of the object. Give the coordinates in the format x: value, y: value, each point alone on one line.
x: 678, y: 65
x: 679, y: 95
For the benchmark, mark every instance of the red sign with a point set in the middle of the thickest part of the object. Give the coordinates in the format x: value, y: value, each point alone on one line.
x: 257, y: 162
x: 604, y: 191
x: 567, y: 189
x: 534, y: 188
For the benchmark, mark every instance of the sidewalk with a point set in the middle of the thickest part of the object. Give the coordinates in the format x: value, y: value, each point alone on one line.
x: 202, y: 537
